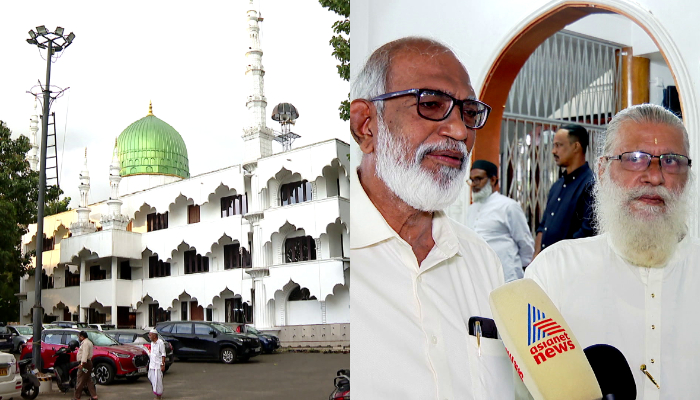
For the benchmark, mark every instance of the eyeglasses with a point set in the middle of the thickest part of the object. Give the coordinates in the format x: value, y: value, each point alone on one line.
x: 640, y: 161
x: 435, y: 105
x: 476, y: 180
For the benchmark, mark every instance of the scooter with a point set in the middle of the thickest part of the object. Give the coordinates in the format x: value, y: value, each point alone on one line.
x: 342, y: 386
x: 30, y: 383
x: 65, y: 372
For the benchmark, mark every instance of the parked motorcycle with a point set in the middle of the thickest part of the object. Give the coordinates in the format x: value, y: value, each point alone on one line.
x: 65, y: 372
x: 30, y: 382
x: 342, y: 386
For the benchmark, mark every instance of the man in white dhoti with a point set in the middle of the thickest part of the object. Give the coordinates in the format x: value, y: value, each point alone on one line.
x: 156, y: 366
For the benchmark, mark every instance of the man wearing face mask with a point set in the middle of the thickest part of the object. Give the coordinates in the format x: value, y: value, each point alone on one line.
x: 417, y: 276
x: 499, y: 220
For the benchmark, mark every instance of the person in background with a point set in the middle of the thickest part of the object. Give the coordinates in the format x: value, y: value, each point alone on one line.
x: 156, y: 364
x: 569, y: 211
x: 84, y: 378
x: 499, y: 220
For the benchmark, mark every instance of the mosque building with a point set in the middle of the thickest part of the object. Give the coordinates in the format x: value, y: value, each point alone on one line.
x: 264, y: 242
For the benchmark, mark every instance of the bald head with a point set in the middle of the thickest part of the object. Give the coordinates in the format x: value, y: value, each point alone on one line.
x: 376, y: 75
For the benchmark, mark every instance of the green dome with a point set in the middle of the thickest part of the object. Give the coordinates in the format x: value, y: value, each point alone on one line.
x: 150, y: 146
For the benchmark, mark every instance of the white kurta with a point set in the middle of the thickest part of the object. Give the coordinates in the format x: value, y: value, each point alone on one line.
x: 501, y: 222
x: 650, y: 314
x: 155, y: 375
x: 409, y: 322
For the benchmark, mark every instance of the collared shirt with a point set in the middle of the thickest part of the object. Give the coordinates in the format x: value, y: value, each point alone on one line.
x: 569, y: 212
x: 500, y: 221
x: 649, y: 314
x: 409, y: 322
x: 85, y: 351
x: 156, y: 354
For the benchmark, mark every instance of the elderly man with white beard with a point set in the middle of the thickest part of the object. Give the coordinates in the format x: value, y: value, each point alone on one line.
x: 499, y: 220
x: 635, y: 286
x: 417, y: 276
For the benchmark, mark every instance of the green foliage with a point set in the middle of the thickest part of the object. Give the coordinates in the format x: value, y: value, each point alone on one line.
x: 18, y: 197
x: 341, y: 45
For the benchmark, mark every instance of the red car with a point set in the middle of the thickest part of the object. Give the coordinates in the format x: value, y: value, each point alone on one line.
x: 110, y: 359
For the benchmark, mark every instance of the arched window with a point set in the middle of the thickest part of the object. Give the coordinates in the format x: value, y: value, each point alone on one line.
x: 295, y: 192
x: 301, y: 248
x: 300, y: 293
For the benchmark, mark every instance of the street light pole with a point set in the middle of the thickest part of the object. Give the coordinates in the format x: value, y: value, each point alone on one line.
x: 53, y: 42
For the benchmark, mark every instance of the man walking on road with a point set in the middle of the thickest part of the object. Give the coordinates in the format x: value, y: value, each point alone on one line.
x: 85, y: 370
x: 156, y: 366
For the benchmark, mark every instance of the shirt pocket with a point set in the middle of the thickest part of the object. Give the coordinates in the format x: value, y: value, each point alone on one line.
x: 492, y: 373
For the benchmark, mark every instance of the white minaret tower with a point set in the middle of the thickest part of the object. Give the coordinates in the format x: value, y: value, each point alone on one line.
x: 33, y: 156
x: 114, y: 218
x: 83, y: 224
x: 257, y: 136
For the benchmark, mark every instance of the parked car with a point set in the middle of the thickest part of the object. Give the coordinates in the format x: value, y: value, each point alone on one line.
x: 110, y: 359
x: 20, y: 334
x: 139, y: 337
x: 102, y: 327
x: 5, y: 339
x: 268, y: 341
x: 71, y: 324
x: 208, y: 340
x: 10, y: 378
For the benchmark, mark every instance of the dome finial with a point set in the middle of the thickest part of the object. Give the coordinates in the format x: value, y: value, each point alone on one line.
x: 86, y: 153
x: 150, y: 108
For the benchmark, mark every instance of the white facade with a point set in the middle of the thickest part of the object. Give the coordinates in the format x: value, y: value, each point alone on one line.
x: 286, y: 215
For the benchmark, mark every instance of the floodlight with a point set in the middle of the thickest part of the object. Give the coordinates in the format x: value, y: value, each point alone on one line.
x: 59, y: 31
x: 70, y: 38
x: 41, y: 30
x: 32, y: 34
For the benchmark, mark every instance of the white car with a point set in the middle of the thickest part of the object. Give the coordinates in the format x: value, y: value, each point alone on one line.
x: 10, y: 379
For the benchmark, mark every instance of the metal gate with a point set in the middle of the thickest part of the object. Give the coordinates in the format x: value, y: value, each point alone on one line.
x: 569, y: 78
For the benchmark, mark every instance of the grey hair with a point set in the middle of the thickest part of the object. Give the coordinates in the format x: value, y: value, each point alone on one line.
x: 640, y: 114
x: 374, y: 77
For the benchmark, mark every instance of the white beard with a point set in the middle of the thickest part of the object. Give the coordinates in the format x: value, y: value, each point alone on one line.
x: 414, y: 185
x: 483, y: 194
x: 647, y: 236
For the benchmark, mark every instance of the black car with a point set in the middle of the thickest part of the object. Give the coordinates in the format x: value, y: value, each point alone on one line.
x: 139, y: 337
x: 269, y: 342
x: 5, y: 338
x: 208, y: 340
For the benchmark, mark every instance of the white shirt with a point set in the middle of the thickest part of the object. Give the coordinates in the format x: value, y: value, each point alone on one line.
x: 156, y: 354
x: 501, y: 222
x: 650, y: 314
x: 409, y: 323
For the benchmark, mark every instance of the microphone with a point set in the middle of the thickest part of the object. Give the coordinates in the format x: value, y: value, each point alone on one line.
x: 612, y: 372
x: 541, y: 346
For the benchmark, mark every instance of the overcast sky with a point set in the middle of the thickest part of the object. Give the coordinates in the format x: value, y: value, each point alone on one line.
x: 189, y: 60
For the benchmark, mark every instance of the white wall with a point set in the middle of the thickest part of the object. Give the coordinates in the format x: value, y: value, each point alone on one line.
x: 338, y: 306
x: 304, y: 312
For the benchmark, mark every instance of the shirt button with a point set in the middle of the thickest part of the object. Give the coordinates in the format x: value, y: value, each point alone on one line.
x: 543, y: 246
x: 552, y: 214
x: 564, y: 185
x: 573, y: 177
x: 545, y: 229
x: 419, y: 279
x: 434, y: 339
x: 652, y: 360
x: 652, y: 295
x: 653, y: 327
x: 558, y: 198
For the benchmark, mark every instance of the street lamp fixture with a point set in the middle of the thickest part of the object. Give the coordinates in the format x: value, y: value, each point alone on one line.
x: 54, y: 42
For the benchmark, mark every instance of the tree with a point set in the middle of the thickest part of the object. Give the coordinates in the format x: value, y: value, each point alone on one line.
x: 341, y: 45
x: 18, y: 197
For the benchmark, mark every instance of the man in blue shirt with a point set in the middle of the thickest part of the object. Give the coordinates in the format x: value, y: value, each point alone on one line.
x: 569, y: 212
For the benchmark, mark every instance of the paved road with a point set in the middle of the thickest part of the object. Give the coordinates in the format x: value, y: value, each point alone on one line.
x: 269, y: 376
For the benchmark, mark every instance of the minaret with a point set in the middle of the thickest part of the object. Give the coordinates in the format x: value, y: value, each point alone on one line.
x: 257, y: 136
x: 33, y: 156
x: 83, y: 224
x: 114, y: 218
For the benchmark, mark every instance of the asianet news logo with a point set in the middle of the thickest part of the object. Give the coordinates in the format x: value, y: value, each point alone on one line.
x: 545, y: 336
